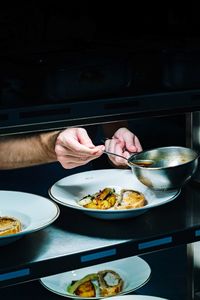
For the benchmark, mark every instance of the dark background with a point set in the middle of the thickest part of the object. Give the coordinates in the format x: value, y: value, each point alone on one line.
x: 64, y: 51
x: 55, y: 52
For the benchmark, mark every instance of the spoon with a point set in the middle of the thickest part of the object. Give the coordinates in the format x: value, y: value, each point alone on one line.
x: 139, y: 162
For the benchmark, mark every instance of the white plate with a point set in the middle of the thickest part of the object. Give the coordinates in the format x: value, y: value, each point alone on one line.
x: 136, y: 297
x: 69, y: 190
x: 134, y: 271
x: 35, y: 212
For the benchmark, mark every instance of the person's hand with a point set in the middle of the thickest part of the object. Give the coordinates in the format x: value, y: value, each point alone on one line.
x: 74, y: 148
x: 123, y: 142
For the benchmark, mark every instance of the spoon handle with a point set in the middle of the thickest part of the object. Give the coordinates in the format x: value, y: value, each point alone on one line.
x: 138, y: 162
x: 111, y: 153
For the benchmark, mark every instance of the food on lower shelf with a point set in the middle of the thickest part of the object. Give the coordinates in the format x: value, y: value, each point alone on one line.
x: 101, y: 284
x: 9, y: 225
x: 86, y: 290
x: 108, y: 198
x: 84, y: 287
x: 110, y: 283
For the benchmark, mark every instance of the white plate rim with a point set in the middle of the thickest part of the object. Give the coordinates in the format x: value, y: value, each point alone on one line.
x: 123, y: 292
x: 37, y: 228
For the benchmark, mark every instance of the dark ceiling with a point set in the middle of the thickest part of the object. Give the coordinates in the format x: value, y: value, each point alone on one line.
x: 66, y: 25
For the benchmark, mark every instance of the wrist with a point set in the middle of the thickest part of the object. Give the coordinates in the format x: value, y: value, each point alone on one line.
x: 48, y: 141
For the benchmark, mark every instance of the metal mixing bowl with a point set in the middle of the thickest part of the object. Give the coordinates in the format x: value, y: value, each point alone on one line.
x: 171, y: 167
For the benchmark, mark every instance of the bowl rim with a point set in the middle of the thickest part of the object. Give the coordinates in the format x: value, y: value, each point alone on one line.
x: 160, y: 148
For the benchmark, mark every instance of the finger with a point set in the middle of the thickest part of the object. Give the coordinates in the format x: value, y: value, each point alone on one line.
x: 84, y: 138
x: 111, y: 144
x: 73, y: 138
x: 63, y: 153
x: 132, y: 143
x: 119, y: 150
x: 72, y: 145
x: 115, y: 146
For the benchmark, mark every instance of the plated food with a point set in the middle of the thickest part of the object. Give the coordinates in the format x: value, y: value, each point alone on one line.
x: 108, y: 198
x: 69, y: 190
x: 104, y: 283
x: 110, y: 283
x: 117, y: 277
x: 84, y: 287
x: 9, y: 225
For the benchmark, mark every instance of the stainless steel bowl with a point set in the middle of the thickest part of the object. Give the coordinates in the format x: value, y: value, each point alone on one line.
x: 171, y: 167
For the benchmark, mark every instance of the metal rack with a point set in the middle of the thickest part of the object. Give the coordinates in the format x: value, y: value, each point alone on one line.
x: 66, y: 245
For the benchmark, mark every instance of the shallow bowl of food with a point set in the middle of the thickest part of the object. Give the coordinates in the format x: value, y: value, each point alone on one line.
x: 78, y: 190
x: 118, y: 277
x: 20, y: 216
x: 170, y: 168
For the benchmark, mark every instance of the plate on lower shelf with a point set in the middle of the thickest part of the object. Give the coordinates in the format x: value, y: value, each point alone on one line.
x: 33, y: 211
x: 136, y: 297
x: 134, y: 271
x: 69, y: 190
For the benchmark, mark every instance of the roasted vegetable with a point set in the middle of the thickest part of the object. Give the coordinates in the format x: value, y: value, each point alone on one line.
x: 82, y: 286
x: 104, y: 193
x: 104, y: 199
x: 86, y: 289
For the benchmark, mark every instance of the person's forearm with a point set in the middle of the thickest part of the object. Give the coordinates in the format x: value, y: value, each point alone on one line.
x: 23, y: 151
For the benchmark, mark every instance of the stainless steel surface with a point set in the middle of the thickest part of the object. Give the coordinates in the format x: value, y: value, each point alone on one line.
x: 193, y: 271
x: 189, y: 247
x: 193, y: 249
x: 190, y: 272
x: 195, y: 138
x: 173, y: 166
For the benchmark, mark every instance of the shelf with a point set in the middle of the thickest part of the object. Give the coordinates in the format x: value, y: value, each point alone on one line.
x: 97, y: 111
x: 76, y: 240
x: 161, y: 262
